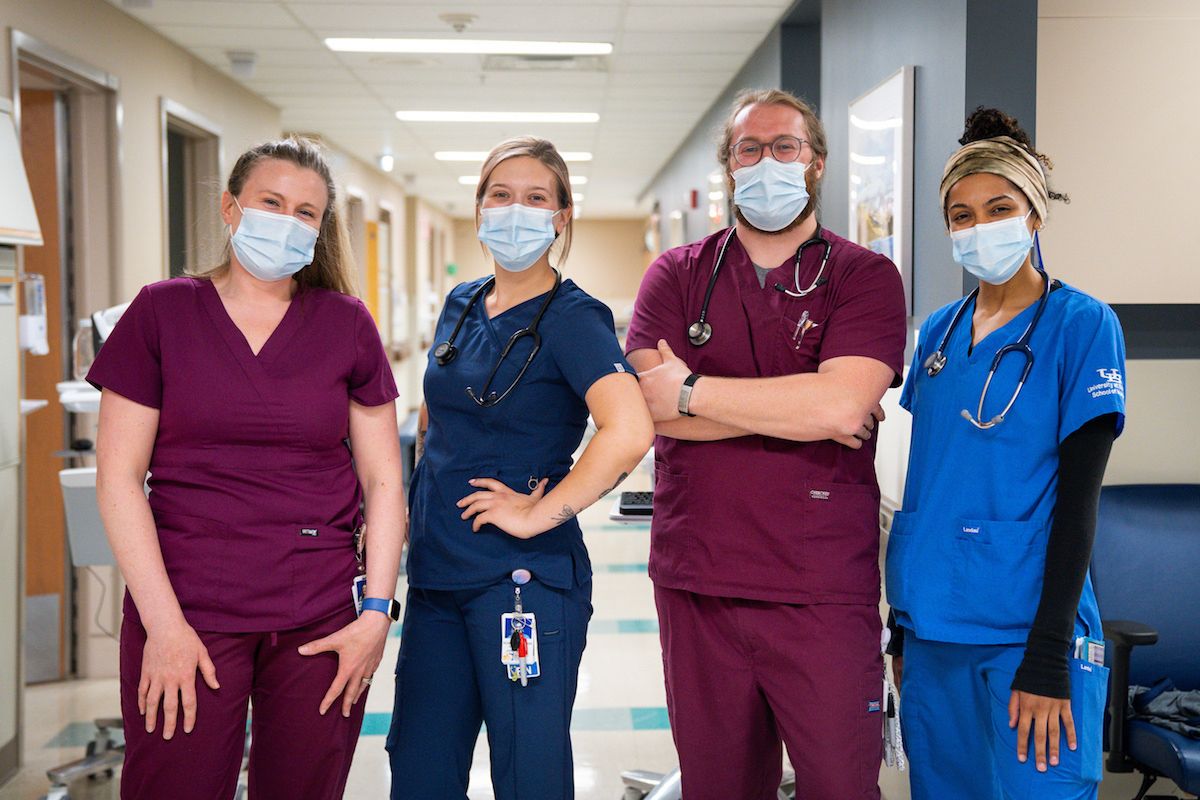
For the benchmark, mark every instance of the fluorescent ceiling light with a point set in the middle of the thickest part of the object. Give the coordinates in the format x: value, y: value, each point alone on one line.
x: 468, y: 180
x: 469, y: 47
x: 576, y: 197
x: 578, y: 180
x: 868, y: 161
x: 721, y: 195
x: 479, y: 155
x: 497, y: 116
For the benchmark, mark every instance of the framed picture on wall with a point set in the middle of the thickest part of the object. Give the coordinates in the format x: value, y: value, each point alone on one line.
x: 881, y: 165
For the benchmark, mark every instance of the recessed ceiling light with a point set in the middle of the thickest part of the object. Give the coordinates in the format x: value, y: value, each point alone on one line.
x: 469, y: 47
x: 479, y: 155
x: 578, y: 180
x: 468, y: 180
x: 387, y: 162
x: 576, y: 197
x: 497, y: 116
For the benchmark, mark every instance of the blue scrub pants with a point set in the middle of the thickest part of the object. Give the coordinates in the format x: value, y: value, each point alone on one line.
x: 954, y: 717
x: 449, y: 680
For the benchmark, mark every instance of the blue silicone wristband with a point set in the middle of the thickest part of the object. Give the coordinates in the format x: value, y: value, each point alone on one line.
x: 389, y: 608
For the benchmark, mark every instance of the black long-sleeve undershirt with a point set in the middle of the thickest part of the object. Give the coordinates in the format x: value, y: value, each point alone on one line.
x: 1082, y: 459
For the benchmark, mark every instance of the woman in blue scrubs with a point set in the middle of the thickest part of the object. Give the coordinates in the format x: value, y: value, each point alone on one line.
x: 522, y: 358
x: 987, y: 564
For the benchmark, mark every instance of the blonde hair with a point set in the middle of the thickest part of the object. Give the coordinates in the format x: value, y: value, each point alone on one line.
x: 545, y: 152
x: 771, y: 97
x: 331, y: 267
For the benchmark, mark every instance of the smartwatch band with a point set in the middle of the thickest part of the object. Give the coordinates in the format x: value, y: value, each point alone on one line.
x: 385, y: 606
x: 685, y: 394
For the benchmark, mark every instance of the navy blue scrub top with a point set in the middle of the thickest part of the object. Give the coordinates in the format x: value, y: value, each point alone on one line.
x: 532, y: 434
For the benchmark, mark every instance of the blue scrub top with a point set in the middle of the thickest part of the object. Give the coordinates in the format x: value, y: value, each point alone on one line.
x: 966, y: 554
x: 532, y: 434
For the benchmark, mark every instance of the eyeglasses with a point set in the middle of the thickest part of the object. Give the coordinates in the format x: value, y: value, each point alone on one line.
x: 785, y: 149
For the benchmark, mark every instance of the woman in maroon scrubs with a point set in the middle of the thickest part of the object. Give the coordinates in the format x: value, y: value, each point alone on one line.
x: 244, y: 392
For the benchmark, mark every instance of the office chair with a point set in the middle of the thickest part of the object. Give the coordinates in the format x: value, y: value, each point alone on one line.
x: 1145, y: 568
x: 89, y: 547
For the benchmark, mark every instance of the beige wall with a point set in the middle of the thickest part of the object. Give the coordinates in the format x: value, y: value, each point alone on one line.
x: 1116, y: 90
x: 607, y: 259
x: 430, y: 244
x: 148, y: 67
x: 1116, y: 111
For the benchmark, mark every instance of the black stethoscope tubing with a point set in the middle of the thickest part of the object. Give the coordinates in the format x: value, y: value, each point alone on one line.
x: 446, y: 352
x: 700, y: 331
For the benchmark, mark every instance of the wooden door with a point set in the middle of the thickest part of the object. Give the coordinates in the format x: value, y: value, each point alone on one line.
x: 46, y: 589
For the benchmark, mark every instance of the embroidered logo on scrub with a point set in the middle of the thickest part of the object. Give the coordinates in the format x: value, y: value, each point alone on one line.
x: 818, y: 494
x: 970, y: 529
x: 872, y: 706
x: 619, y: 367
x: 308, y: 531
x: 1112, y: 384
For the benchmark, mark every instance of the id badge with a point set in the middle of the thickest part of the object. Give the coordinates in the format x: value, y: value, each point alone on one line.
x: 358, y: 590
x: 511, y: 658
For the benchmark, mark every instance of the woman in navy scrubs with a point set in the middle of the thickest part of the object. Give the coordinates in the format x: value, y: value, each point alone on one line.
x: 244, y: 392
x: 1017, y: 394
x: 522, y: 358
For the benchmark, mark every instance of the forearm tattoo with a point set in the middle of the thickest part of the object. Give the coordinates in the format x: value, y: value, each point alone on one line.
x: 420, y: 446
x: 624, y: 475
x: 564, y: 515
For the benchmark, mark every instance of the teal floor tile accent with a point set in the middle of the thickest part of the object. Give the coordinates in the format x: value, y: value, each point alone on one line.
x: 376, y: 723
x: 600, y: 627
x: 637, y: 626
x: 78, y: 734
x: 601, y: 719
x: 650, y: 719
x: 640, y: 567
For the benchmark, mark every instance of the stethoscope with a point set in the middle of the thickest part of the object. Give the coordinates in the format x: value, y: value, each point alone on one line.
x: 937, y: 360
x: 446, y: 351
x: 700, y: 331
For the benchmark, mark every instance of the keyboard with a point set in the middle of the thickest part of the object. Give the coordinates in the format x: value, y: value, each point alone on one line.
x: 637, y: 503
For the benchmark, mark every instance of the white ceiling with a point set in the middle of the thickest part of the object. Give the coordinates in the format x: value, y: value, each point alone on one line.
x: 671, y: 58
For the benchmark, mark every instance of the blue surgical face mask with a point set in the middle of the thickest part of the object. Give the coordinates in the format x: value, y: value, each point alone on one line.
x: 993, y: 251
x: 517, y: 235
x: 272, y: 246
x: 771, y: 194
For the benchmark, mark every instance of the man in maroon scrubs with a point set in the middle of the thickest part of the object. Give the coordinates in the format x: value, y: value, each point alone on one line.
x: 763, y: 352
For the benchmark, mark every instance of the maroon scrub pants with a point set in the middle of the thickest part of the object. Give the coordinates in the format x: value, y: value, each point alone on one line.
x: 295, y: 752
x: 746, y: 677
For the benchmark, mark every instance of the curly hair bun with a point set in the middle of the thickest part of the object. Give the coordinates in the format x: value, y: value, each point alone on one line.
x: 987, y: 123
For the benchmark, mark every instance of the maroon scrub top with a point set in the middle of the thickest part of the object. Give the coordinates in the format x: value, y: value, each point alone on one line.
x: 758, y: 517
x: 252, y: 486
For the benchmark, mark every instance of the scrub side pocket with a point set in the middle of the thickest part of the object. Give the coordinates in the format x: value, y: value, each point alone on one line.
x: 840, y: 525
x: 899, y: 553
x: 196, y: 556
x: 1089, y: 696
x: 998, y: 568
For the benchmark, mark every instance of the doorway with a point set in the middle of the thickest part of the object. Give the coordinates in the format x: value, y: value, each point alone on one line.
x: 66, y: 114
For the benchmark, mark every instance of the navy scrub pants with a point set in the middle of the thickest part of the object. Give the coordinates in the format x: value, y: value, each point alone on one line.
x: 449, y: 680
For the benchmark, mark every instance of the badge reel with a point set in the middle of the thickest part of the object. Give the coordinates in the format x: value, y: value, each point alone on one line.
x: 518, y: 636
x: 358, y: 586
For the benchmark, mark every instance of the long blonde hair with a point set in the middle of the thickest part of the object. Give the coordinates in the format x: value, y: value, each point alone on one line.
x: 545, y: 152
x: 331, y: 267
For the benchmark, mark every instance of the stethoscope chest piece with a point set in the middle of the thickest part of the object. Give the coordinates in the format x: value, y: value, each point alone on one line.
x: 445, y: 353
x: 935, y: 362
x: 699, y: 333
